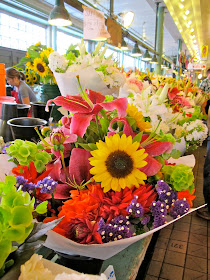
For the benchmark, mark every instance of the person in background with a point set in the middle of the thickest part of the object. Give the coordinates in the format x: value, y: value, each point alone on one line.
x: 17, y: 78
x: 205, y: 87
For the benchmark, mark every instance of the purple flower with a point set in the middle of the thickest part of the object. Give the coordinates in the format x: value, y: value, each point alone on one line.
x: 25, y: 187
x: 120, y: 221
x: 145, y: 220
x: 159, y: 221
x: 180, y: 207
x: 158, y: 208
x: 112, y: 232
x: 20, y: 181
x: 47, y: 185
x: 135, y: 208
x: 28, y: 187
x: 165, y: 193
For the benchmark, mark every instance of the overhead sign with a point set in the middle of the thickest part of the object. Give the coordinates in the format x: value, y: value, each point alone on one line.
x: 196, y: 66
x: 94, y: 25
x: 204, y: 52
x: 115, y: 30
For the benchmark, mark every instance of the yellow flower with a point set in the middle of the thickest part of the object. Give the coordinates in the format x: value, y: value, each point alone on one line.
x: 27, y: 55
x: 46, y: 53
x: 133, y: 112
x: 117, y: 162
x: 37, y: 44
x: 40, y: 67
x: 29, y: 65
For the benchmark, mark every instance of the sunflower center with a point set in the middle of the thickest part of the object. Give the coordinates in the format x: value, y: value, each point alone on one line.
x: 119, y: 164
x: 40, y: 67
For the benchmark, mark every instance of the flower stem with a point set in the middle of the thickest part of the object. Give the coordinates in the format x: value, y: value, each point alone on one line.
x: 64, y: 166
x: 42, y: 139
x: 99, y: 132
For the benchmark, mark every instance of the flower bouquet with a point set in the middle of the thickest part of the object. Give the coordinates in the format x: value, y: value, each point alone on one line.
x: 170, y: 105
x: 107, y: 176
x: 95, y: 71
x: 35, y: 65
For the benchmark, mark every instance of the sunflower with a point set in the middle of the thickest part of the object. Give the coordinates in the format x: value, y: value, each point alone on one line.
x: 117, y: 162
x: 133, y: 112
x: 40, y: 67
x: 46, y: 53
x: 30, y: 65
x: 37, y: 44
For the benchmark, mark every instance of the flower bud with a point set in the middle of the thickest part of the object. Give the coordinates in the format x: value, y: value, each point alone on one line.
x: 46, y: 131
x: 57, y: 138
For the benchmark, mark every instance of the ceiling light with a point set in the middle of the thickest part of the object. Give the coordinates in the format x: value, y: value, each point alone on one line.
x: 184, y: 17
x: 182, y: 0
x: 124, y: 46
x: 127, y: 18
x: 187, y: 12
x: 181, y: 6
x: 190, y: 22
x: 194, y: 41
x: 59, y: 16
x: 192, y: 30
x: 146, y: 56
x: 136, y: 51
x: 193, y: 36
x: 200, y: 76
x: 154, y: 59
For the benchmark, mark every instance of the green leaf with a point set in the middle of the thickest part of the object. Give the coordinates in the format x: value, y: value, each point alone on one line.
x: 5, y: 249
x: 131, y: 120
x: 92, y: 146
x: 93, y: 127
x: 42, y: 207
x: 138, y: 137
x: 33, y: 54
x: 104, y: 125
x: 85, y: 146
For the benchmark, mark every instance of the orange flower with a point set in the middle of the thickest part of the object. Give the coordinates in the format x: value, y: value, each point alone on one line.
x: 186, y: 194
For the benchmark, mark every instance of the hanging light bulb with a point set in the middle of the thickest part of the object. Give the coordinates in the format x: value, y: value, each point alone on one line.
x: 126, y: 18
x: 154, y: 59
x: 136, y: 51
x: 59, y: 16
x: 146, y: 56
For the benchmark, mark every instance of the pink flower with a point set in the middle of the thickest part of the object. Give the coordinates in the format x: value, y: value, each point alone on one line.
x: 136, y: 82
x: 84, y: 112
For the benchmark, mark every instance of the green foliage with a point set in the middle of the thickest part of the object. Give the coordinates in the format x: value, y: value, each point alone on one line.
x: 16, y: 216
x: 165, y: 137
x: 196, y: 115
x: 180, y: 177
x: 174, y: 154
x: 23, y: 152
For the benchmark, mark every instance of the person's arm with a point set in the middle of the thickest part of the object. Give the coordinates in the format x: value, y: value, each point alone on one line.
x: 26, y: 100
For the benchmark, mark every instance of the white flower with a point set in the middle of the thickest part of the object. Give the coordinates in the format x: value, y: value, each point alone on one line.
x: 34, y: 269
x: 57, y: 62
x: 81, y: 276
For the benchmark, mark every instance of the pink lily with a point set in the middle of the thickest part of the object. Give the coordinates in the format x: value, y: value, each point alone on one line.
x: 85, y: 111
x: 127, y: 130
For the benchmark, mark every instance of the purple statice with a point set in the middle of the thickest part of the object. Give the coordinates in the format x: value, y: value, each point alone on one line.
x: 159, y: 221
x: 180, y: 207
x: 165, y: 193
x: 145, y: 220
x: 113, y: 232
x: 20, y: 181
x: 25, y: 187
x: 4, y: 151
x: 158, y: 208
x: 159, y: 212
x: 47, y: 185
x: 134, y: 208
x: 28, y: 187
x: 120, y: 221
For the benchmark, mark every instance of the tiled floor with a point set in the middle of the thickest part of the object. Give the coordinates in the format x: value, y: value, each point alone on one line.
x: 182, y: 250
